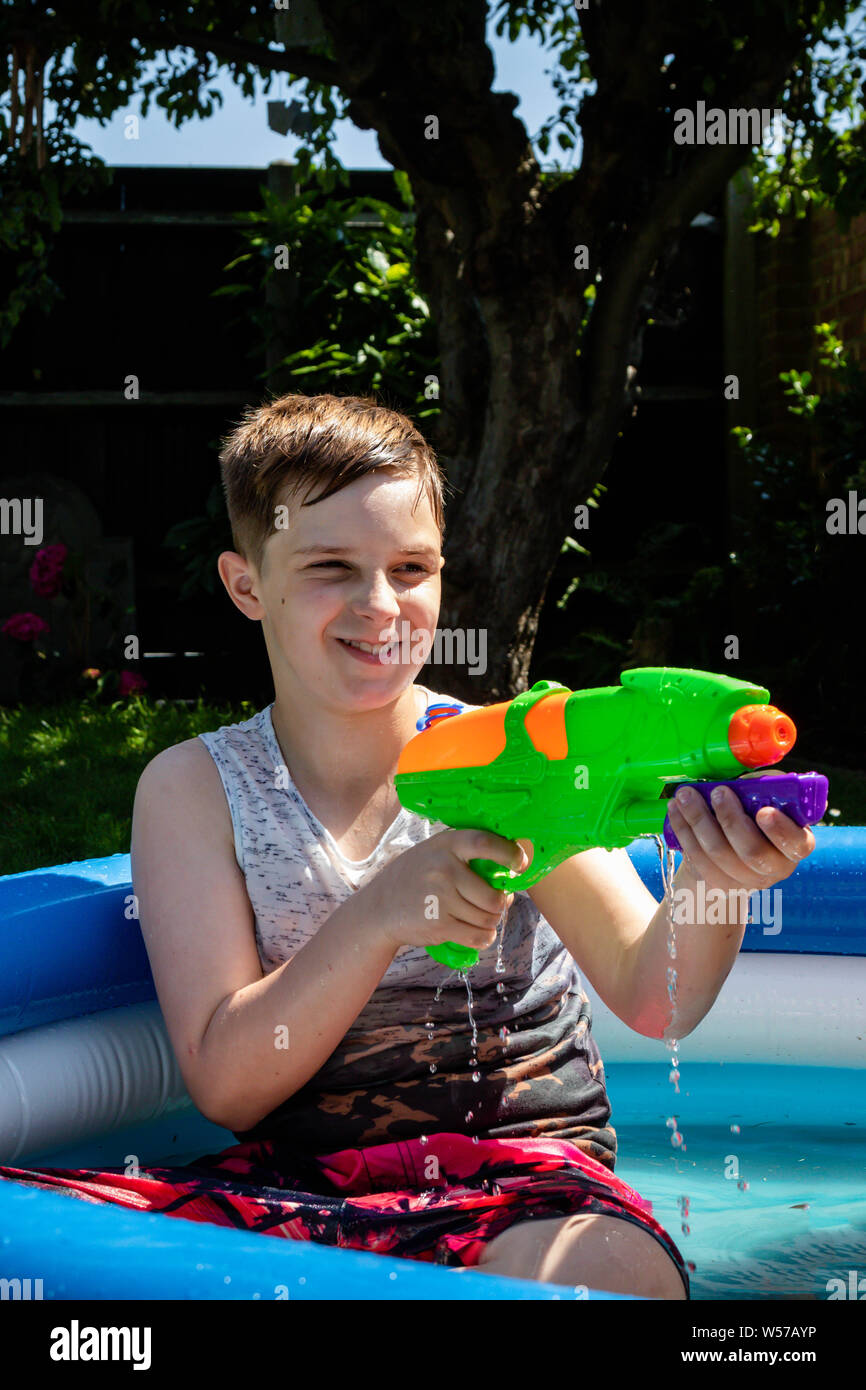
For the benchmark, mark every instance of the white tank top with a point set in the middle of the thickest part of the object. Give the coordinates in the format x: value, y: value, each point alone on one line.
x: 296, y: 876
x: 404, y: 1066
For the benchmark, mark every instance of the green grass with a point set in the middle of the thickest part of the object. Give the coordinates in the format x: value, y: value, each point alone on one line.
x: 68, y: 774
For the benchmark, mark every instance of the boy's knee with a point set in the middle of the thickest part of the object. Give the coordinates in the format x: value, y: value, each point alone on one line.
x: 602, y: 1252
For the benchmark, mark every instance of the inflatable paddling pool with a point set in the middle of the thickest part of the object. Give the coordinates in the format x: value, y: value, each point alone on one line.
x: 772, y: 1108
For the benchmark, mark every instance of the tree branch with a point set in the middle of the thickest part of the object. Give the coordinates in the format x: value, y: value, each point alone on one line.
x: 298, y: 62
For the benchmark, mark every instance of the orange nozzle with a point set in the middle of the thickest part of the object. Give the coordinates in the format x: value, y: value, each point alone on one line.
x: 761, y: 734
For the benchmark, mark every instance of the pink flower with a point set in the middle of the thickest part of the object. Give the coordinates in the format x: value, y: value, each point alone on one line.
x: 130, y: 682
x: 47, y: 570
x: 92, y: 673
x: 24, y: 627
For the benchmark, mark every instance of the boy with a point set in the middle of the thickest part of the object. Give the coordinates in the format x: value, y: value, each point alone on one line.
x: 283, y: 893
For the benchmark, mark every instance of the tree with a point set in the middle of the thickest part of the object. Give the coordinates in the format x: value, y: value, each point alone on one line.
x: 540, y: 282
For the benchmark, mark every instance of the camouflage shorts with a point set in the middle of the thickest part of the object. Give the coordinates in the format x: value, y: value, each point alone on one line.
x: 441, y: 1199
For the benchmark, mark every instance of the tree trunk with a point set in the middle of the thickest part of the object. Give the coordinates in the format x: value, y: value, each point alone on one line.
x: 527, y: 424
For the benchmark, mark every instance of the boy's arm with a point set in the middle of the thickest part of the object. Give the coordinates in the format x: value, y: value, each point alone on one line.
x: 601, y: 912
x: 618, y: 934
x: 228, y: 1023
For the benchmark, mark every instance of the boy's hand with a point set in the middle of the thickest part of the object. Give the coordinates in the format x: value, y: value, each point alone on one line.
x: 729, y: 849
x: 429, y: 894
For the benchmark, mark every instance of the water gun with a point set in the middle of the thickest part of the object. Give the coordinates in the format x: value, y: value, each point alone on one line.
x: 570, y: 770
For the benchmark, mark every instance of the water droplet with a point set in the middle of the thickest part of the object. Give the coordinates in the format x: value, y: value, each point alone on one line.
x: 735, y: 1129
x: 432, y: 1068
x: 690, y: 1266
x: 674, y: 1077
x: 743, y: 1185
x: 470, y: 1115
x: 476, y: 1076
x: 475, y: 1138
x: 423, y: 1139
x: 671, y: 1122
x: 500, y: 988
x: 503, y: 1033
x: 676, y: 1139
x: 685, y: 1229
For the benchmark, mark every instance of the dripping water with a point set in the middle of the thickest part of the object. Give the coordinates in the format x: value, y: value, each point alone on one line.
x: 667, y: 864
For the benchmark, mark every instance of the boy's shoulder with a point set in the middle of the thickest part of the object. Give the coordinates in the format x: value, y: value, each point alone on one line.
x: 194, y: 758
x: 188, y: 759
x: 194, y: 752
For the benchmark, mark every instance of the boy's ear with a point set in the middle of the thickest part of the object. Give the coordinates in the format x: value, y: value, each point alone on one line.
x: 241, y: 583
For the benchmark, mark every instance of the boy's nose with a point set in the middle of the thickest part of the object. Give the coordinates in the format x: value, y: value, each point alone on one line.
x: 376, y: 596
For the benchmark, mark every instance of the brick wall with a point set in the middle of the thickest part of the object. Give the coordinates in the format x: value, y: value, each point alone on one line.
x: 839, y: 279
x: 811, y: 273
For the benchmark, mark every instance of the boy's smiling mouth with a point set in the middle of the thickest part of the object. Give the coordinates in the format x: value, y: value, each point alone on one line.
x: 369, y: 651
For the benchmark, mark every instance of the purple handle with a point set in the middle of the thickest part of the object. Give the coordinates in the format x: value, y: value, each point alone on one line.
x: 800, y: 795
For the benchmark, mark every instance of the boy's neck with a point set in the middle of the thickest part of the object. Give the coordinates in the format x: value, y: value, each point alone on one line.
x: 353, y: 752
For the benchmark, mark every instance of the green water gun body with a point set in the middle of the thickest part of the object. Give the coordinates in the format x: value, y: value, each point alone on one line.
x: 572, y: 770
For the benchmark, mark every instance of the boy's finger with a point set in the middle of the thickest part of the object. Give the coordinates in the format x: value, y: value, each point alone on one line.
x: 791, y: 839
x: 528, y: 849
x: 486, y: 844
x: 720, y: 836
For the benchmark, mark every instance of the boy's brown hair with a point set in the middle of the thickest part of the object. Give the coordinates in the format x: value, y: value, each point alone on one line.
x: 288, y: 446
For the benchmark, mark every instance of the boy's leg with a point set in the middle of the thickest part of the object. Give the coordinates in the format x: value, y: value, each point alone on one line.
x: 603, y: 1252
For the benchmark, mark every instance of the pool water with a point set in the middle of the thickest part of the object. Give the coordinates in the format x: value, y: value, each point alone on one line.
x: 802, y: 1140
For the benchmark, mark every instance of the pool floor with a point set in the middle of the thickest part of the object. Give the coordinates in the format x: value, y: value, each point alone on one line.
x: 801, y: 1148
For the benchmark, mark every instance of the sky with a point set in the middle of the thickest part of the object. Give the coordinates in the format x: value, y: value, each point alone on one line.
x: 237, y: 135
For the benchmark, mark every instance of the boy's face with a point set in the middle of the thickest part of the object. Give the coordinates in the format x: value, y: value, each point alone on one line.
x: 383, y: 588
